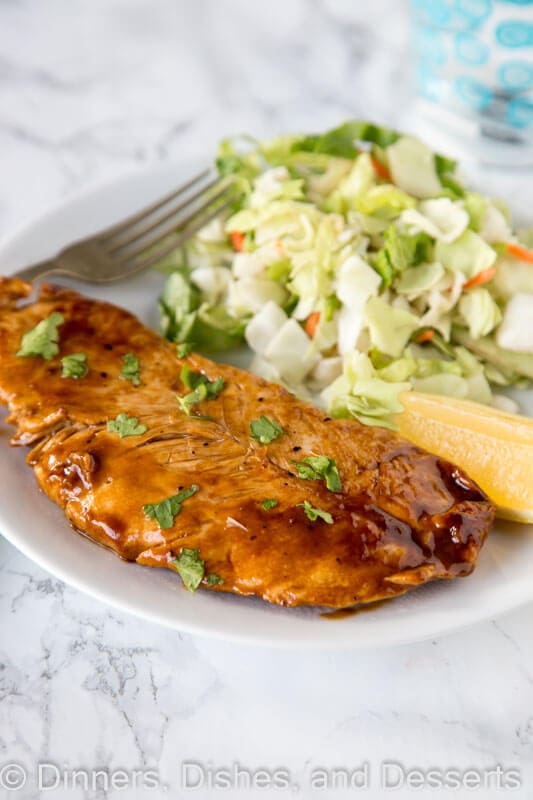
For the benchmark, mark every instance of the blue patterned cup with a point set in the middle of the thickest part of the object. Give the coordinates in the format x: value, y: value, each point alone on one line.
x: 474, y: 70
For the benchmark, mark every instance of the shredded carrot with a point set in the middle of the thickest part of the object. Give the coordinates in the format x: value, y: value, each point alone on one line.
x: 482, y: 277
x: 381, y: 170
x: 311, y: 323
x: 237, y: 240
x: 520, y: 252
x: 425, y: 336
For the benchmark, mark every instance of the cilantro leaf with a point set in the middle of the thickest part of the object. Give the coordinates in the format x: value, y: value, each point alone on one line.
x: 191, y: 568
x: 320, y: 468
x: 202, y: 388
x: 214, y: 388
x: 306, y: 471
x: 166, y: 511
x: 131, y: 369
x: 192, y: 379
x: 43, y: 339
x: 189, y: 400
x: 315, y: 513
x: 189, y: 378
x: 126, y: 426
x: 214, y: 580
x: 269, y: 503
x: 183, y: 349
x: 332, y: 478
x: 74, y: 365
x: 265, y: 430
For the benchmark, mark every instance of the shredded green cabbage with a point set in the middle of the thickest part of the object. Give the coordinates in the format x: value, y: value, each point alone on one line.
x: 357, y: 265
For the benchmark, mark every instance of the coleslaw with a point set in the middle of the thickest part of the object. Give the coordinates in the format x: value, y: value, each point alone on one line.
x: 357, y: 266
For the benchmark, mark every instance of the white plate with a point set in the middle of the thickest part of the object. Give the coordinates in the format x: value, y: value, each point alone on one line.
x: 503, y: 579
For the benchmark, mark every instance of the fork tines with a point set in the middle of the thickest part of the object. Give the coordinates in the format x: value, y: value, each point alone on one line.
x: 152, y: 233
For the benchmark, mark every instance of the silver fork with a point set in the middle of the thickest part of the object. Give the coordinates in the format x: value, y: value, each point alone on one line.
x: 143, y: 239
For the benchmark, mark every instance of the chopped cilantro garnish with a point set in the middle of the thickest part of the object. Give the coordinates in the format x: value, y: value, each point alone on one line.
x: 202, y: 388
x: 214, y: 387
x: 320, y: 468
x: 74, y: 365
x: 126, y: 426
x: 43, y: 339
x: 265, y: 430
x: 269, y: 503
x: 183, y: 349
x: 131, y: 369
x: 214, y: 580
x: 192, y: 379
x: 189, y: 400
x: 167, y: 510
x: 190, y: 567
x: 315, y: 513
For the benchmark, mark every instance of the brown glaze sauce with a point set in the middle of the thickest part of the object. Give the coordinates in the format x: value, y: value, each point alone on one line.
x: 404, y: 517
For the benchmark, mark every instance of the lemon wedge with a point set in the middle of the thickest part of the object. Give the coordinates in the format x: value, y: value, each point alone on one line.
x: 493, y: 447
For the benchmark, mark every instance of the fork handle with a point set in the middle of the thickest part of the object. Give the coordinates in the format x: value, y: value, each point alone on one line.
x: 38, y: 270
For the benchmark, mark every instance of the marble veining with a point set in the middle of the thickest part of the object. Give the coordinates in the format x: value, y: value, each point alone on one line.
x: 89, y: 91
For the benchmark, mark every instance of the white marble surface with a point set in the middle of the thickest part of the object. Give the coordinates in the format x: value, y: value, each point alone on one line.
x: 90, y: 90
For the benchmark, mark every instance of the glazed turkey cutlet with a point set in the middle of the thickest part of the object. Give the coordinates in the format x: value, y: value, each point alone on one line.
x: 172, y: 460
